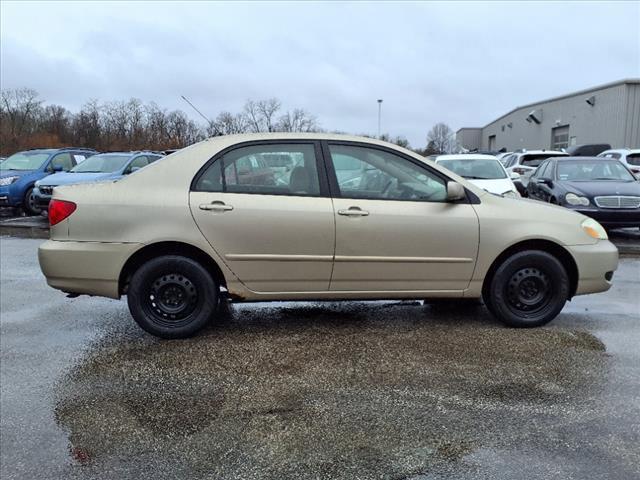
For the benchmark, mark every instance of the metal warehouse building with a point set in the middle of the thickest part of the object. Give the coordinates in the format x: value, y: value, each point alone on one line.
x: 606, y: 114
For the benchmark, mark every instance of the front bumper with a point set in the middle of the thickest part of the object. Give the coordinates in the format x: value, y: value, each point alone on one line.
x: 596, y: 265
x: 613, y: 217
x: 41, y: 198
x: 91, y: 268
x: 8, y: 197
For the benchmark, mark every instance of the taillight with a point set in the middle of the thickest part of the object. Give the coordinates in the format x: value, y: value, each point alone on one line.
x: 59, y: 210
x: 521, y: 171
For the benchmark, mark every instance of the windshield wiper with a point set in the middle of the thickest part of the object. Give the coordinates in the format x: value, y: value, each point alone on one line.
x: 471, y: 177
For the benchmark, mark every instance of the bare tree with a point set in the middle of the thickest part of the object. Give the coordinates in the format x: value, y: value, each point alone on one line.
x: 226, y: 123
x: 260, y: 115
x: 19, y: 112
x: 441, y: 138
x: 130, y: 124
x: 88, y: 125
x: 297, y: 120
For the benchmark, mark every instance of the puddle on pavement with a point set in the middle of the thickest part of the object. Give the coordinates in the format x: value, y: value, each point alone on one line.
x: 337, y: 390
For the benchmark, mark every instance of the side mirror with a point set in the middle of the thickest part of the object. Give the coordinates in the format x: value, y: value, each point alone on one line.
x: 455, y: 192
x: 57, y: 168
x: 134, y: 169
x: 515, y: 176
x: 546, y: 181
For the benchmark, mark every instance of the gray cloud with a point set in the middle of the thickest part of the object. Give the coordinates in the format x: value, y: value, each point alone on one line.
x: 462, y: 63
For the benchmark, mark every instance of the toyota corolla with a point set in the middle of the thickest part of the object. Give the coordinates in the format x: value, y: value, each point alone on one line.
x: 350, y: 218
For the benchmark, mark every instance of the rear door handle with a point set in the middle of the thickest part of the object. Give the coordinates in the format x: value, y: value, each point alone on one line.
x: 216, y: 206
x: 353, y: 212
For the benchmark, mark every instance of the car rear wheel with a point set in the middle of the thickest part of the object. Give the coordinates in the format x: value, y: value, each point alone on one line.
x: 172, y: 296
x: 29, y: 204
x: 529, y: 289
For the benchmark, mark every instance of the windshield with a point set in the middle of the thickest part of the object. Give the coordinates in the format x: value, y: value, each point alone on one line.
x: 25, y: 161
x: 475, y: 169
x: 588, y: 171
x: 102, y: 164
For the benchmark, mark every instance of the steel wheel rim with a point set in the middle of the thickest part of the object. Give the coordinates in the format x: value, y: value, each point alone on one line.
x: 171, y: 299
x: 528, y: 291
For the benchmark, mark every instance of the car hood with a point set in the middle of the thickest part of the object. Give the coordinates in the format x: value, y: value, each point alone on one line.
x: 68, y: 178
x: 603, y: 187
x: 14, y: 173
x: 497, y: 185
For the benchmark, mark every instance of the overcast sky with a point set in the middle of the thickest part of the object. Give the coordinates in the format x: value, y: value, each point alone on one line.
x: 462, y: 63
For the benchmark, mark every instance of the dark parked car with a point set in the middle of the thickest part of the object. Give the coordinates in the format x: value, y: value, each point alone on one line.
x: 20, y: 172
x: 589, y: 150
x: 601, y: 188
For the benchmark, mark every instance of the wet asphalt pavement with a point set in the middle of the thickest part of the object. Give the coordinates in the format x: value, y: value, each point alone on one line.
x: 361, y: 390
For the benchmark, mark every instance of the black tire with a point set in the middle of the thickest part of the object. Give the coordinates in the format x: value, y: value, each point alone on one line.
x: 29, y: 203
x: 529, y: 289
x: 172, y: 296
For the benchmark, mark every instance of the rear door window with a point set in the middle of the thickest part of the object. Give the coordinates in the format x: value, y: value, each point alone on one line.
x: 269, y: 169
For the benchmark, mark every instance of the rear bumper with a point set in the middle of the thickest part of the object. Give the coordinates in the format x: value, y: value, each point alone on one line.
x: 91, y: 268
x: 596, y: 265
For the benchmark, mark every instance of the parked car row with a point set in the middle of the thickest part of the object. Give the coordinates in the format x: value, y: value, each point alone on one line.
x: 28, y: 177
x: 98, y: 168
x: 603, y: 187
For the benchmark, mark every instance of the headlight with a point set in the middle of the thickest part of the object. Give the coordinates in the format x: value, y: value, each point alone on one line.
x: 8, y: 180
x: 575, y: 200
x: 594, y: 229
x: 511, y: 194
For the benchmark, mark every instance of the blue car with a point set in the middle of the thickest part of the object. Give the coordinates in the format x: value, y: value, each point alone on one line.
x: 99, y: 168
x: 20, y: 172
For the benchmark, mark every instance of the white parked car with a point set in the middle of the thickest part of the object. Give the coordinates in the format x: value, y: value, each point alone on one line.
x: 503, y: 156
x: 630, y: 157
x: 485, y: 171
x: 526, y: 162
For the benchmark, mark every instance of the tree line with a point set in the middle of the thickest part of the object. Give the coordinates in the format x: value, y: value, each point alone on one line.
x: 27, y: 122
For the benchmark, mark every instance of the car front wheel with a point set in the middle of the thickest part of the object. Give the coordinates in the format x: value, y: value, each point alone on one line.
x: 172, y: 296
x: 30, y: 205
x: 529, y: 289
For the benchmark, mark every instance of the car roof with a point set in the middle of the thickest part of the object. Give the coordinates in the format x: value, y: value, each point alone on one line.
x: 621, y: 150
x: 570, y: 159
x: 466, y: 156
x: 39, y: 150
x: 540, y: 152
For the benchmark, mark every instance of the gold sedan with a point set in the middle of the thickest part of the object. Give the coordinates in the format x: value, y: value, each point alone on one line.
x: 314, y: 217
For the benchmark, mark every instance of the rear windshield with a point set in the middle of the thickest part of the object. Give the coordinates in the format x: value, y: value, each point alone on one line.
x: 536, y: 159
x: 633, y: 159
x: 593, y: 170
x: 475, y: 169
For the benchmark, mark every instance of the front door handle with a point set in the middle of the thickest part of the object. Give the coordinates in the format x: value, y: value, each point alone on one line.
x: 353, y: 212
x: 216, y: 206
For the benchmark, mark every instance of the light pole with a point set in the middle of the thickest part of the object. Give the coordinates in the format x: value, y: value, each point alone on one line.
x: 379, y: 114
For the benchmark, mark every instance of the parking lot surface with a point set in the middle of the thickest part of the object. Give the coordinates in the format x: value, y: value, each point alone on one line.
x: 360, y: 390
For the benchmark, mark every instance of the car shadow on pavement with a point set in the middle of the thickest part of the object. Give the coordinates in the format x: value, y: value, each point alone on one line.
x: 334, y: 390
